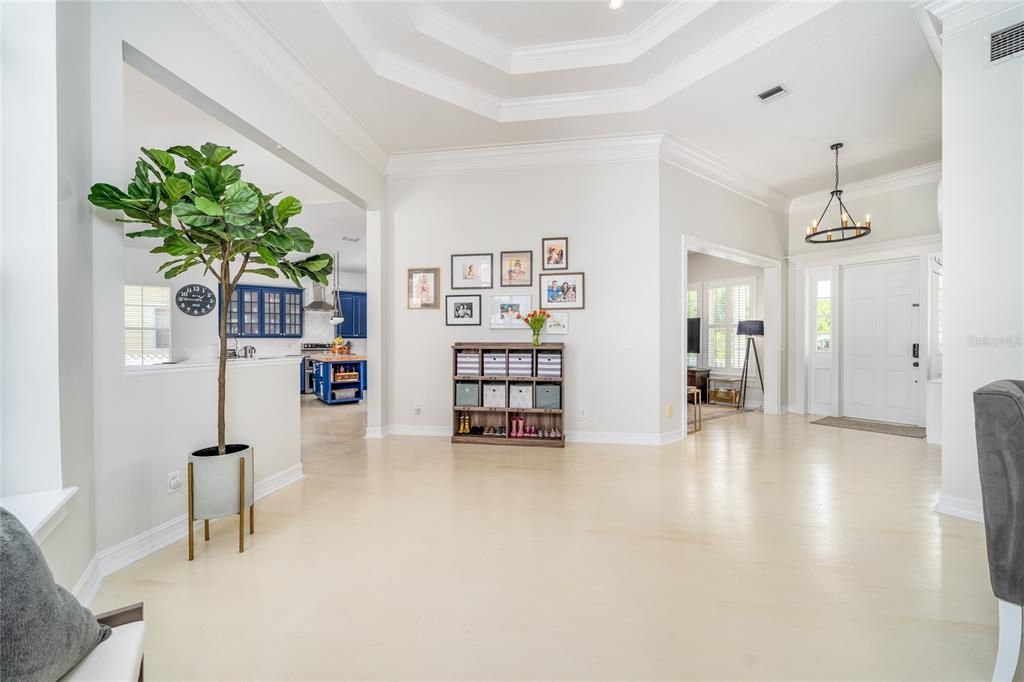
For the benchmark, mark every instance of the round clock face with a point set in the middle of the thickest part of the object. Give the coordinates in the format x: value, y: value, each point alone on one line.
x: 196, y: 300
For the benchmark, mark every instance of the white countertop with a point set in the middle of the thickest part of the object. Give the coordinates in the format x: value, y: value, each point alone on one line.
x: 194, y: 365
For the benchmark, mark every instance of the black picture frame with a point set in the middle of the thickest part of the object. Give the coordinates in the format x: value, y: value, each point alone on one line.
x: 564, y: 265
x: 448, y: 310
x: 484, y: 259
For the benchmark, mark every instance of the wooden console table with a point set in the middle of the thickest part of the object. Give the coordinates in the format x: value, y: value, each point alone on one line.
x: 698, y: 377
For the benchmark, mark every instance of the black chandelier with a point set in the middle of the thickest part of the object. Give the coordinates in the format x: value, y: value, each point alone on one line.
x: 816, y: 234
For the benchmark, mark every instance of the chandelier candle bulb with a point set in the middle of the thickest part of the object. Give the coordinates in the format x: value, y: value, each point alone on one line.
x: 867, y: 220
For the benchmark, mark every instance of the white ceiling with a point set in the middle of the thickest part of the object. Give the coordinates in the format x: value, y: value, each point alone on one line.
x: 424, y: 76
x: 156, y: 117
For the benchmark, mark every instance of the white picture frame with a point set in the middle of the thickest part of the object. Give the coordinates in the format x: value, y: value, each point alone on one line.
x: 558, y: 324
x: 472, y: 271
x: 505, y: 307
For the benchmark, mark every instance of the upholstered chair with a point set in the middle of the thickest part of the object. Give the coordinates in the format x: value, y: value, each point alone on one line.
x: 999, y: 426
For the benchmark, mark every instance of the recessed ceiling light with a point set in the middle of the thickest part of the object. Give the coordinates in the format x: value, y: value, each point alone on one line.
x: 616, y: 4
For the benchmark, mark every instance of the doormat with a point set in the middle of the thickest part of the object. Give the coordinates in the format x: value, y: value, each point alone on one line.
x: 875, y: 427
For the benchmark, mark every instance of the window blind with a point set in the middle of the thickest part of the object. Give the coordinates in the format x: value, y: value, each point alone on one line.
x: 727, y: 303
x: 147, y: 324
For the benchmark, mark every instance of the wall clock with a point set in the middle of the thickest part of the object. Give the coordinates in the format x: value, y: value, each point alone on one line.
x: 196, y: 300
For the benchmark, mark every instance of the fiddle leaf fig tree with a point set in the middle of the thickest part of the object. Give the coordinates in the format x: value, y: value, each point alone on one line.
x: 209, y: 218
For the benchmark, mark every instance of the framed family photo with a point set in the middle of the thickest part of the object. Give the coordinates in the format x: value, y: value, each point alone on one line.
x: 555, y: 253
x: 561, y: 291
x: 505, y: 308
x: 462, y: 311
x: 516, y: 268
x: 472, y: 271
x: 423, y: 287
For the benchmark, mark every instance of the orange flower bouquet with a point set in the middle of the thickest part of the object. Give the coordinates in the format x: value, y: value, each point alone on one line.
x: 535, y: 321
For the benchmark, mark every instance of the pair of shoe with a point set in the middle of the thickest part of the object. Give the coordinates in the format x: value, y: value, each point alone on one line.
x: 555, y: 433
x: 500, y: 431
x: 490, y: 431
x: 463, y: 424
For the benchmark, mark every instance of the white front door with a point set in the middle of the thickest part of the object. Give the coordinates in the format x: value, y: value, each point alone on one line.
x: 881, y: 323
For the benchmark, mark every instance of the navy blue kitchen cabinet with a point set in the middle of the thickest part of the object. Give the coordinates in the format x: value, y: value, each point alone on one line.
x: 352, y: 305
x: 265, y: 312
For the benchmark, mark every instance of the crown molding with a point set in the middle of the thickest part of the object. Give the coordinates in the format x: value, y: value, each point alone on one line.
x: 527, y: 155
x: 440, y: 25
x: 707, y: 166
x: 643, y: 147
x: 890, y: 182
x: 767, y: 26
x: 926, y: 22
x: 257, y: 44
x: 942, y: 9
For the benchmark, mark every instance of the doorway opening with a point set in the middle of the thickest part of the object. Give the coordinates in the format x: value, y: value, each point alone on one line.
x: 732, y: 329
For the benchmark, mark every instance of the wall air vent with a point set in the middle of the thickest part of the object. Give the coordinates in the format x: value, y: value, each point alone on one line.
x: 1007, y: 43
x: 772, y: 94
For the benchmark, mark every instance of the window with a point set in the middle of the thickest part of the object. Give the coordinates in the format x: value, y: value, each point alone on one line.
x: 823, y: 317
x: 147, y: 325
x: 727, y: 303
x: 692, y: 311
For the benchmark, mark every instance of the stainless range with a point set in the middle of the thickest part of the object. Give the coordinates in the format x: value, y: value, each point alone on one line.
x: 308, y: 351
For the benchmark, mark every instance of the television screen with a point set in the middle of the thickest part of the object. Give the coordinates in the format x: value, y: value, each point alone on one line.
x: 693, y: 335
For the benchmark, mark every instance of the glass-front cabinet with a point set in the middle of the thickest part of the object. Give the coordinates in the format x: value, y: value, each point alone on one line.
x: 265, y: 312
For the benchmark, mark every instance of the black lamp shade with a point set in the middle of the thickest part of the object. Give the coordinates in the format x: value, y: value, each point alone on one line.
x: 750, y: 328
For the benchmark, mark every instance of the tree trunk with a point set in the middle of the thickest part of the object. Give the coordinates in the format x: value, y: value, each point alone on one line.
x: 227, y: 290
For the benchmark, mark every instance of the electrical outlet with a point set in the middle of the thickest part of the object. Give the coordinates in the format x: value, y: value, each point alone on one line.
x: 583, y: 412
x: 416, y: 410
x: 173, y: 482
x: 668, y: 410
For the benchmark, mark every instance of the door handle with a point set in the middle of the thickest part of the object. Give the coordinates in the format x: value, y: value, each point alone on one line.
x: 916, y: 352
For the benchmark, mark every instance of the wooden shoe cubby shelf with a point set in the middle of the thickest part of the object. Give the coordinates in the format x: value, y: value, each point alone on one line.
x: 496, y: 384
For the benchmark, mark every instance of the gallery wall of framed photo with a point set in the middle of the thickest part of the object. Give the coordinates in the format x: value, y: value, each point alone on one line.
x: 557, y: 289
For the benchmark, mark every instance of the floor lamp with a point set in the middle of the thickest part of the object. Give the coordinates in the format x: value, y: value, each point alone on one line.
x: 750, y: 329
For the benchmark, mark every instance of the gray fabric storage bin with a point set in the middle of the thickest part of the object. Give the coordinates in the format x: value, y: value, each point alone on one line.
x: 494, y: 364
x: 520, y: 363
x: 494, y: 395
x: 520, y: 396
x: 549, y: 364
x: 467, y: 363
x: 467, y: 394
x: 549, y: 397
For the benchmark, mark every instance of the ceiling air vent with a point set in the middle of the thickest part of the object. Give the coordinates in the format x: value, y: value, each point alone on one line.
x: 350, y: 239
x: 1007, y: 43
x: 772, y: 94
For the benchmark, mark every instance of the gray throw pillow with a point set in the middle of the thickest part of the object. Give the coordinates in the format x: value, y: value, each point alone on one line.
x: 44, y: 631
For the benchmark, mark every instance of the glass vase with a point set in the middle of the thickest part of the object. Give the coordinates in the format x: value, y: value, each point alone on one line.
x: 536, y: 337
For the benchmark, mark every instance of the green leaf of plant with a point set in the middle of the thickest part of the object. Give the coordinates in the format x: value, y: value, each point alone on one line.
x: 107, y: 196
x: 317, y: 263
x: 278, y: 242
x: 288, y: 207
x: 209, y: 207
x: 216, y: 153
x: 240, y: 203
x: 161, y: 232
x: 176, y: 188
x: 266, y: 254
x: 266, y: 272
x: 191, y: 215
x: 208, y: 183
x: 161, y: 158
x: 300, y: 239
x: 190, y: 154
x: 231, y: 174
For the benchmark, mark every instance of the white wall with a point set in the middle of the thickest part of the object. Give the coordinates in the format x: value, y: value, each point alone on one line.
x: 983, y: 238
x: 692, y: 206
x: 899, y: 214
x: 31, y: 435
x: 608, y: 211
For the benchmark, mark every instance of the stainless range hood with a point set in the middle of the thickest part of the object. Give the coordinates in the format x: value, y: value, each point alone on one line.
x: 319, y: 304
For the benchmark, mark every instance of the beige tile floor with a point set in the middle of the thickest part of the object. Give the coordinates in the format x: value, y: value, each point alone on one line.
x: 763, y: 547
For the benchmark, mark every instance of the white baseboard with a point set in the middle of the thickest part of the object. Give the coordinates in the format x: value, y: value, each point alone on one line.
x: 374, y: 432
x: 145, y: 543
x: 961, y: 507
x: 670, y: 437
x: 88, y: 583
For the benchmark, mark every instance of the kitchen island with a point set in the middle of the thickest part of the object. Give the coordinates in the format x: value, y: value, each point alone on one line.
x: 339, y: 379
